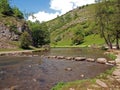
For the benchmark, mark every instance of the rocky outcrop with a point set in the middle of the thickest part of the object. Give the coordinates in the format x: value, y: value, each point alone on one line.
x: 12, y: 32
x: 11, y: 29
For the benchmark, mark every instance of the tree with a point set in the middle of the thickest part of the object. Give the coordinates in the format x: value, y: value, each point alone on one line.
x: 103, y: 21
x: 40, y: 34
x: 78, y: 37
x: 5, y: 8
x: 25, y: 40
x: 107, y: 13
x: 116, y: 21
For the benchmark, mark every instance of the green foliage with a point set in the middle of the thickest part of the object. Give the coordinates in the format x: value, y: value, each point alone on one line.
x: 25, y: 40
x: 78, y: 37
x: 58, y: 86
x: 5, y: 8
x: 17, y: 13
x: 58, y: 38
x: 40, y: 34
x: 112, y: 56
x: 107, y: 13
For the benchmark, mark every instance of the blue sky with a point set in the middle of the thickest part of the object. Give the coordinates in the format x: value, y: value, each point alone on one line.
x: 45, y: 10
x: 32, y: 5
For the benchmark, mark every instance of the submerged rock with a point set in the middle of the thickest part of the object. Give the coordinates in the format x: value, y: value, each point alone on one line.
x: 68, y: 69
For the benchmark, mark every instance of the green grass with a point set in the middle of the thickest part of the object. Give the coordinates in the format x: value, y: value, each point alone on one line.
x: 93, y: 39
x: 89, y: 40
x: 112, y: 56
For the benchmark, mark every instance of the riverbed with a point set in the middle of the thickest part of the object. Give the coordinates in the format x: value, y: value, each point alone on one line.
x: 41, y: 73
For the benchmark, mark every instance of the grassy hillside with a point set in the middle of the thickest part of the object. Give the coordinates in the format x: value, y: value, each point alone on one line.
x: 64, y: 27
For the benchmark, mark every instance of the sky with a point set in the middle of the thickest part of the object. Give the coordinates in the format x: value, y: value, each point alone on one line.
x: 45, y: 10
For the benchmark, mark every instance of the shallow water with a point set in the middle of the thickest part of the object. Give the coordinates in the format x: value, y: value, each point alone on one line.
x: 40, y: 73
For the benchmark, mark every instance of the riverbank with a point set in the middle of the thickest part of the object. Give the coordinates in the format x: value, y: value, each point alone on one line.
x: 110, y: 80
x: 20, y: 52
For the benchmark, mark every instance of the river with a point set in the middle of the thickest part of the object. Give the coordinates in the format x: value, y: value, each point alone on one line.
x: 41, y: 73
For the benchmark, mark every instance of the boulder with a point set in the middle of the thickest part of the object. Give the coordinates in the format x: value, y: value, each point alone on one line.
x: 102, y: 60
x: 90, y: 60
x: 80, y: 58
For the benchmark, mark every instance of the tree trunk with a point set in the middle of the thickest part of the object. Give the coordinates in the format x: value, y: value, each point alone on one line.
x: 117, y: 42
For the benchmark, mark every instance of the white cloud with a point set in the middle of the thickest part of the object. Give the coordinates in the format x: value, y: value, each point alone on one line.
x: 43, y: 16
x: 61, y: 6
x: 66, y: 5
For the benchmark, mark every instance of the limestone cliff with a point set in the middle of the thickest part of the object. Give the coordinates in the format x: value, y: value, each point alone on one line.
x: 10, y: 30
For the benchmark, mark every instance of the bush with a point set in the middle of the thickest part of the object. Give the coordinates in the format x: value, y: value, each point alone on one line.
x: 25, y: 40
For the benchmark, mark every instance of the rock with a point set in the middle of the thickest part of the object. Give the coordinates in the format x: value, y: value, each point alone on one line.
x: 80, y: 58
x: 30, y: 66
x: 90, y: 60
x: 52, y: 56
x: 118, y: 80
x: 116, y: 73
x: 60, y: 57
x: 69, y: 58
x: 101, y: 83
x: 34, y: 80
x: 68, y: 69
x: 14, y: 88
x: 71, y: 89
x: 89, y: 89
x: 82, y: 75
x: 101, y: 60
x: 112, y: 62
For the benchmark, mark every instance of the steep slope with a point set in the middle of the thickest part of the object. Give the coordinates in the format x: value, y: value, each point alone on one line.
x: 64, y: 27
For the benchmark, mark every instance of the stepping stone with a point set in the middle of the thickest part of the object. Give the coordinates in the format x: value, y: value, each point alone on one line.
x: 112, y: 62
x: 90, y: 60
x: 80, y: 58
x: 101, y: 60
x: 60, y: 57
x: 69, y: 58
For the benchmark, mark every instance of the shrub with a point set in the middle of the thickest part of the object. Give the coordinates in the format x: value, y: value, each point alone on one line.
x: 25, y: 40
